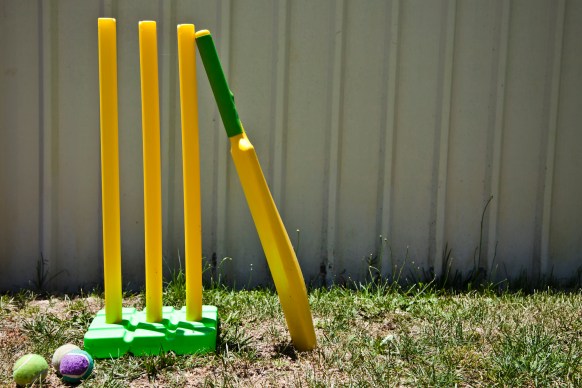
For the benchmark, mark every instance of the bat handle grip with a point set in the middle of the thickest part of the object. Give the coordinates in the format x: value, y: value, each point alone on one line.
x: 222, y: 94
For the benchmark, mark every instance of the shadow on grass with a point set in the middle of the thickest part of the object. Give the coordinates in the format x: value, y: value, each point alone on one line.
x: 285, y: 349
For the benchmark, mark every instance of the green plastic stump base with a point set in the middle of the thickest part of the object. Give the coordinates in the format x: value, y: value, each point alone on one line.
x: 136, y: 336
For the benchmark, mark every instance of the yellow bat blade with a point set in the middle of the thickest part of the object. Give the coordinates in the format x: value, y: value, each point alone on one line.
x: 276, y: 244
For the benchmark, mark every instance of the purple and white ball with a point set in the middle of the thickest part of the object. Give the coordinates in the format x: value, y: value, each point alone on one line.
x: 76, y: 365
x: 59, y: 353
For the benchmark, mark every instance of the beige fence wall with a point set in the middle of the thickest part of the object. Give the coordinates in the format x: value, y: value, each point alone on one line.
x: 392, y: 118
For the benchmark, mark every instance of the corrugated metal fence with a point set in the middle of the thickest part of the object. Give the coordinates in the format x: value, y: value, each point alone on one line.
x: 392, y: 118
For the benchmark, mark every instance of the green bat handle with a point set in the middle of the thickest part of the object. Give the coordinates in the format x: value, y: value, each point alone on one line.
x: 222, y: 94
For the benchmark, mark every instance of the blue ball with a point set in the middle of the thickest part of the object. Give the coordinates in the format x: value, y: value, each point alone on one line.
x: 76, y: 365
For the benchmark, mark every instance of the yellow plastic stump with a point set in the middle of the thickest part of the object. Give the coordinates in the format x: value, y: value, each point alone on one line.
x: 110, y: 168
x: 152, y: 174
x: 191, y: 171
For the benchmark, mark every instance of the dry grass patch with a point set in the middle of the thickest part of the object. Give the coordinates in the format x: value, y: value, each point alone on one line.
x: 367, y: 336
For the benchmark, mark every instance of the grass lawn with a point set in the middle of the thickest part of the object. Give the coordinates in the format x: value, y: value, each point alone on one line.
x: 367, y: 336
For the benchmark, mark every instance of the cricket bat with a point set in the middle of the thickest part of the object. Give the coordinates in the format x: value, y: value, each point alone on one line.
x: 278, y: 250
